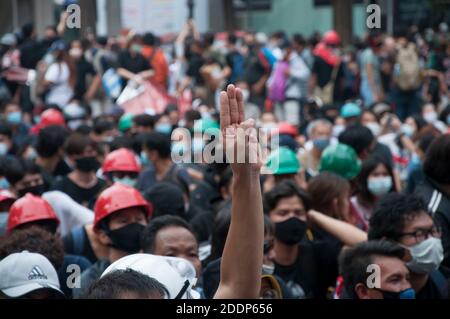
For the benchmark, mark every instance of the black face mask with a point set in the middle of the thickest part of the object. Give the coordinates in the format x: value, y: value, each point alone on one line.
x: 291, y: 231
x: 87, y: 164
x: 35, y: 190
x: 406, y: 294
x: 127, y: 238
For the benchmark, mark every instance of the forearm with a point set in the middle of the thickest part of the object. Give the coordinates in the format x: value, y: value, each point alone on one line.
x: 348, y: 234
x: 126, y: 74
x: 244, y: 242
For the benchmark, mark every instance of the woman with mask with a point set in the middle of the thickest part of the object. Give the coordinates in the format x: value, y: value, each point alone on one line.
x: 375, y: 180
x: 132, y: 64
x: 61, y: 76
x: 308, y: 267
x: 82, y: 185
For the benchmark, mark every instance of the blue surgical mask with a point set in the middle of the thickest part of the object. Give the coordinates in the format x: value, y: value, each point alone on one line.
x: 321, y: 143
x: 406, y: 294
x: 164, y: 128
x: 3, y: 223
x: 4, y: 184
x: 3, y: 149
x: 145, y: 161
x: 127, y: 181
x: 379, y: 186
x: 14, y: 118
x: 407, y: 130
x: 448, y: 119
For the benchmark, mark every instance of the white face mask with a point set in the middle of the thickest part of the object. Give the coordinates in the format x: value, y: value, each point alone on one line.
x: 246, y: 94
x: 3, y: 149
x: 374, y: 127
x: 430, y: 117
x: 125, y: 181
x: 337, y: 130
x: 379, y: 186
x: 268, y: 270
x: 427, y: 256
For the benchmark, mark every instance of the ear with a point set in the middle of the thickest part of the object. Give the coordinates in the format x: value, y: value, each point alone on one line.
x: 103, y: 238
x: 362, y: 291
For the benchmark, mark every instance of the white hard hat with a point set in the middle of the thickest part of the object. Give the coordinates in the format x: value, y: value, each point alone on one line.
x: 176, y: 274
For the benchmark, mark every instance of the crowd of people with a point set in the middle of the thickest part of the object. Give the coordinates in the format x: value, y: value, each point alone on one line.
x: 94, y: 205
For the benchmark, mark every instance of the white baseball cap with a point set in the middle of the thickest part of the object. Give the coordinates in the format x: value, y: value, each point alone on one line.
x: 25, y: 272
x: 176, y: 274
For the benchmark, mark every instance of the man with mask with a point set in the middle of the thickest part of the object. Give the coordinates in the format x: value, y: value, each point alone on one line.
x: 13, y: 116
x: 394, y: 276
x: 308, y: 267
x: 404, y: 219
x: 121, y: 167
x: 26, y: 178
x: 319, y: 134
x: 121, y: 214
x: 82, y: 185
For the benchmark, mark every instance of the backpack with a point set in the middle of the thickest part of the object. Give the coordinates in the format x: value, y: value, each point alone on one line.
x: 238, y: 67
x: 278, y: 82
x: 407, y: 73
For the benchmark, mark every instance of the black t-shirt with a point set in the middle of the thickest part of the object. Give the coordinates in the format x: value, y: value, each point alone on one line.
x: 84, y: 68
x: 195, y: 64
x: 30, y: 54
x: 134, y: 64
x: 87, y: 252
x: 83, y: 196
x: 324, y: 71
x: 314, y: 271
x: 431, y: 291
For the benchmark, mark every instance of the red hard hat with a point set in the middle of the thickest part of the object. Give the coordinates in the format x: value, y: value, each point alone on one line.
x: 287, y: 129
x: 52, y: 117
x: 6, y: 194
x: 332, y: 38
x: 29, y: 209
x: 116, y: 198
x: 122, y: 160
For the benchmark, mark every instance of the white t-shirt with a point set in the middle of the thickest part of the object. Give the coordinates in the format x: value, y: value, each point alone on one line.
x: 60, y: 92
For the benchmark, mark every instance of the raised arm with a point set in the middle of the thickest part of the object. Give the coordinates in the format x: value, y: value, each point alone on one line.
x: 243, y: 254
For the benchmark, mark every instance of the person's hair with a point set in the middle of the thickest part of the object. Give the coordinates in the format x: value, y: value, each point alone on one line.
x: 160, y: 143
x: 298, y: 39
x: 391, y: 214
x: 285, y: 189
x: 145, y: 120
x: 64, y: 57
x: 102, y: 126
x: 232, y: 39
x: 17, y: 169
x: 220, y: 232
x: 148, y: 236
x: 192, y: 116
x: 437, y: 160
x: 358, y: 137
x: 50, y: 140
x: 5, y: 129
x: 353, y: 262
x: 102, y: 41
x: 77, y: 143
x: 35, y: 240
x: 323, y: 189
x: 365, y: 197
x: 420, y: 122
x: 121, y: 284
x: 149, y: 39
x: 313, y: 125
x: 27, y: 30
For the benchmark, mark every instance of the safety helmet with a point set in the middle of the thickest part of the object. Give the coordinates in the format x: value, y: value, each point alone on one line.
x: 176, y: 274
x: 126, y: 122
x: 342, y: 160
x: 29, y: 209
x: 116, y: 198
x: 6, y: 195
x: 122, y: 160
x: 350, y: 110
x: 283, y: 161
x: 287, y: 129
x: 52, y: 117
x: 332, y: 38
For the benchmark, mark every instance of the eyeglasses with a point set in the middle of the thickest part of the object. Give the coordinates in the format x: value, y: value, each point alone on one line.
x: 423, y: 234
x: 268, y: 245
